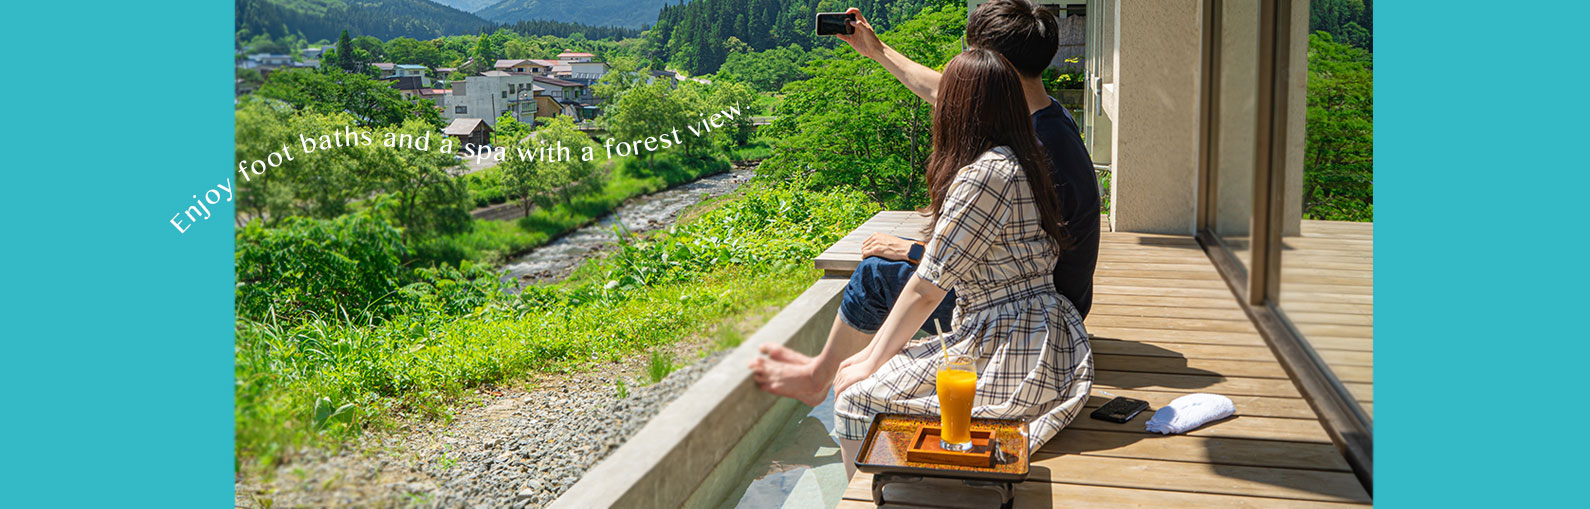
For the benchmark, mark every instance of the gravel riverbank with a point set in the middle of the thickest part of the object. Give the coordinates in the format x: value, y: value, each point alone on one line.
x: 514, y: 449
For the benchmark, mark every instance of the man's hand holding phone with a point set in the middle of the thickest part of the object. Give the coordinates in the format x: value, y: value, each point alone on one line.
x: 862, y: 37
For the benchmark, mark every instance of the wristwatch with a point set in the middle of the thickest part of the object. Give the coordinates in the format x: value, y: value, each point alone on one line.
x: 915, y: 253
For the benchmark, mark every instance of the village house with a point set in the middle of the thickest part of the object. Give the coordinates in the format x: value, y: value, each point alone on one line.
x: 587, y: 70
x: 522, y: 66
x: 469, y: 131
x: 384, y: 70
x: 412, y: 71
x: 575, y: 56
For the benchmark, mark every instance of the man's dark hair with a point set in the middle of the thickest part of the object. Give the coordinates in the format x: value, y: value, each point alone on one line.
x: 1026, y: 34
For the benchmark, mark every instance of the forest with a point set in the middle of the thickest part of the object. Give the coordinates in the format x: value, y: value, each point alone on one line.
x: 699, y: 36
x: 1338, y: 161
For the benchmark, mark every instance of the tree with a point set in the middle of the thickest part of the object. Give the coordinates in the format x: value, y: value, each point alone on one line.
x: 509, y: 131
x: 854, y: 125
x: 1338, y: 161
x: 485, y: 53
x: 769, y: 70
x: 646, y: 110
x: 370, y: 101
x: 536, y: 173
x: 345, y: 52
x: 404, y: 50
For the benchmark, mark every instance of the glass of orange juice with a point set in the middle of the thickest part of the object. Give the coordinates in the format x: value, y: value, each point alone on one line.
x: 957, y: 383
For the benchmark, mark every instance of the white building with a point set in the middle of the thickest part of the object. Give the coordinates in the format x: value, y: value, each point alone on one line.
x: 575, y: 56
x: 587, y: 70
x: 490, y: 95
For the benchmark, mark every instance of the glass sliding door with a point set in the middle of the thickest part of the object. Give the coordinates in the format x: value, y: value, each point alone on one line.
x: 1285, y: 202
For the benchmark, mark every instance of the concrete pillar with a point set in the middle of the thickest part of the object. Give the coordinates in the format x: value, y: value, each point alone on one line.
x: 1155, y: 143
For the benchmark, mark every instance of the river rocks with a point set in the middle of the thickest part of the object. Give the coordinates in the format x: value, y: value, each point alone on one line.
x: 514, y: 450
x: 656, y: 211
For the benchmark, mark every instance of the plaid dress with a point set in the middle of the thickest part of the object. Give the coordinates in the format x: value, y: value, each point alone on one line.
x: 1032, y: 354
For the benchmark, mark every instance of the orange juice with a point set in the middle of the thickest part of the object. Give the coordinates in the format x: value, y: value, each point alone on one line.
x: 956, y: 388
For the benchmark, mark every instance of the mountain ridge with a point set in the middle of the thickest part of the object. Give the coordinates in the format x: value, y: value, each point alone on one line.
x: 623, y: 13
x: 383, y: 19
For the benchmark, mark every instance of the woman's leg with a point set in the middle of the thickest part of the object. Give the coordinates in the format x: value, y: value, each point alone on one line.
x: 847, y: 453
x: 791, y: 374
x: 874, y: 287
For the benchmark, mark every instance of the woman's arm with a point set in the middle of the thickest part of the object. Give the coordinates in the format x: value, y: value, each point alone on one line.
x: 916, y: 302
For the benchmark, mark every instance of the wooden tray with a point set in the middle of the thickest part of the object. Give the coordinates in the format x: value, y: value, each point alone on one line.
x: 926, y: 448
x: 885, y: 450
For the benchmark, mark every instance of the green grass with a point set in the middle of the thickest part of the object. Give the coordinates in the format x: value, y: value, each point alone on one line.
x: 492, y: 242
x: 660, y: 365
x: 316, y: 380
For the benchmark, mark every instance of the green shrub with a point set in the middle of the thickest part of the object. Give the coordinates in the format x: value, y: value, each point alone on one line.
x: 314, y: 267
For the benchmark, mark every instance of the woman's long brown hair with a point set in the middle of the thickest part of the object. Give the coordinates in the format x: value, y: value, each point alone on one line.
x: 981, y: 106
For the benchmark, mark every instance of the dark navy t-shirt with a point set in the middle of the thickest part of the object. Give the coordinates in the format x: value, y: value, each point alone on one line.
x: 1071, y: 169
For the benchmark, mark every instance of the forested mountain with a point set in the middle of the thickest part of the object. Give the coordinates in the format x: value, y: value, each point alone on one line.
x: 1349, y: 22
x: 383, y: 19
x: 538, y: 27
x: 467, y: 5
x: 698, y: 36
x: 624, y: 13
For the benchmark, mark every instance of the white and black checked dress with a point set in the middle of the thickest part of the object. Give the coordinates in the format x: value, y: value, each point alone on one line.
x: 1032, y: 354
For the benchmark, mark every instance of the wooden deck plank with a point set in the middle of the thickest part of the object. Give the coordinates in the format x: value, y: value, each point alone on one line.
x: 1257, y: 406
x: 1197, y: 383
x: 1105, y: 345
x: 942, y: 493
x: 1184, y: 366
x: 1143, y: 311
x: 1195, y: 449
x: 1172, y: 476
x: 1173, y: 335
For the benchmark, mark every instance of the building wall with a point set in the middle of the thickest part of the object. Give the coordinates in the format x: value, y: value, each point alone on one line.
x: 588, y: 70
x: 483, y: 98
x: 1144, y: 106
x: 1155, y: 141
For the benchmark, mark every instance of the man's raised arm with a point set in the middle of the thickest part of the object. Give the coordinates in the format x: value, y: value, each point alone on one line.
x: 922, y: 80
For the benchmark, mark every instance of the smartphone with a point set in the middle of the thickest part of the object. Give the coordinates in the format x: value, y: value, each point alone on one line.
x: 833, y: 23
x: 1120, y: 409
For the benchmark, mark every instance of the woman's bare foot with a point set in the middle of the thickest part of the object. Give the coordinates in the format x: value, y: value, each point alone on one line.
x: 790, y: 374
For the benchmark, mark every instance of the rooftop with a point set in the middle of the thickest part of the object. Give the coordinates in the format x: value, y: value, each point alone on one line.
x: 558, y: 82
x: 464, y: 126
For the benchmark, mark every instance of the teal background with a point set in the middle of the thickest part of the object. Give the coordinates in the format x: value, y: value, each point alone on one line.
x: 116, y: 370
x: 1480, y: 278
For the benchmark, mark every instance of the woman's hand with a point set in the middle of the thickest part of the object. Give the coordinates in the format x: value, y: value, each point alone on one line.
x: 852, y: 372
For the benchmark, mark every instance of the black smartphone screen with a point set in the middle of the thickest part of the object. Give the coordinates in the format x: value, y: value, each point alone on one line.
x: 831, y: 23
x: 1120, y: 409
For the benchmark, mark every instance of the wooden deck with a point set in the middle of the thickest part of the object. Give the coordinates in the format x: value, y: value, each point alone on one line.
x: 1327, y: 291
x: 1163, y: 325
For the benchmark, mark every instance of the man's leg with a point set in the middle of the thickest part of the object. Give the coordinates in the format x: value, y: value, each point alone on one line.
x: 873, y: 288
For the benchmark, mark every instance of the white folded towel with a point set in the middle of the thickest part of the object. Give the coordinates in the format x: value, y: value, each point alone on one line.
x: 1189, y: 412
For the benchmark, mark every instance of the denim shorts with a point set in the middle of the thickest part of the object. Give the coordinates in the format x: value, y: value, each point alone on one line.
x: 875, y: 286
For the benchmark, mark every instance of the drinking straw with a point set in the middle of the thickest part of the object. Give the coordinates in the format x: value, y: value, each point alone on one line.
x: 942, y: 347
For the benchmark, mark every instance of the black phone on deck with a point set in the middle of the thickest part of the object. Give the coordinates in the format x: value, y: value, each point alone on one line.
x: 1120, y: 409
x: 833, y: 23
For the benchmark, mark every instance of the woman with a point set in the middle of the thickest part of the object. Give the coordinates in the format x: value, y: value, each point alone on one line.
x: 995, y: 238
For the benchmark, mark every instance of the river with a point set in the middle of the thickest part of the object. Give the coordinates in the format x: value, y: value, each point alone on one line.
x: 554, y: 261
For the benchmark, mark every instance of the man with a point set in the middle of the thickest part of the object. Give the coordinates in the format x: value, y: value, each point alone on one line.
x: 1028, y: 37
